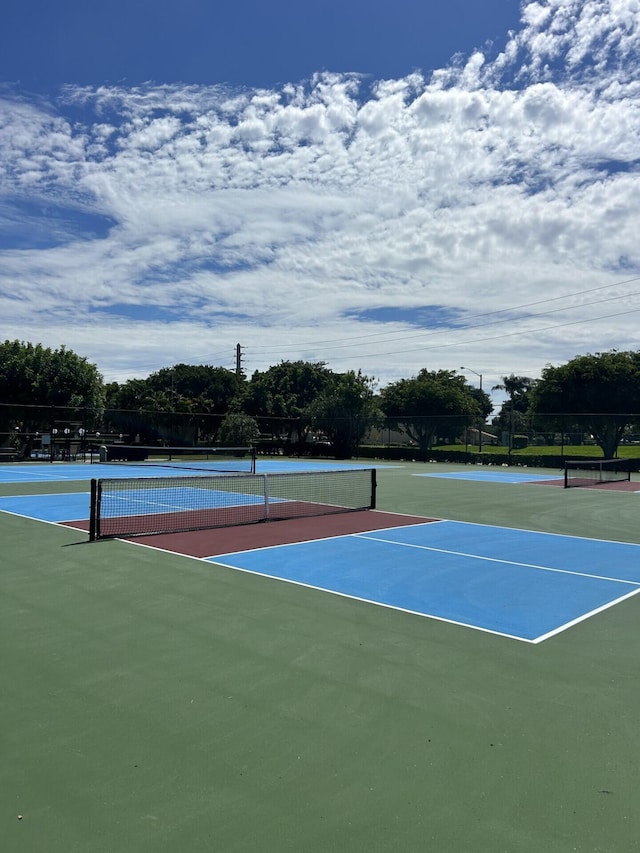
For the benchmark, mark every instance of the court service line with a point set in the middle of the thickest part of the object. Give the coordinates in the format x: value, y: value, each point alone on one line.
x: 498, y: 560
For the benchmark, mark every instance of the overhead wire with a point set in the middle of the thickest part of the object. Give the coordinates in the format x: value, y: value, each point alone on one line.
x: 337, y: 343
x: 518, y: 332
x: 511, y: 310
x: 386, y: 338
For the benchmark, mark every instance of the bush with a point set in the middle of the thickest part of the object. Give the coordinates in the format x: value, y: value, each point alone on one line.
x: 238, y: 430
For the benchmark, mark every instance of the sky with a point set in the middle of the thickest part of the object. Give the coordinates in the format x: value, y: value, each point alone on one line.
x: 380, y: 186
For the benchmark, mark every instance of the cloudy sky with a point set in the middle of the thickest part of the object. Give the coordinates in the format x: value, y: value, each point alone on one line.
x: 378, y: 185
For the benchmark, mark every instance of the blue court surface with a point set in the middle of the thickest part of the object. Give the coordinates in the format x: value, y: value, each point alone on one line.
x: 58, y: 472
x: 54, y: 508
x: 494, y: 476
x: 516, y: 583
x: 75, y: 506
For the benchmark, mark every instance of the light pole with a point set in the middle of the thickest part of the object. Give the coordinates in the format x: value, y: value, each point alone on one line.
x: 479, y: 375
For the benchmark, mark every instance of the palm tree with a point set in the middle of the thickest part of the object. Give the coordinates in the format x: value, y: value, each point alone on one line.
x: 517, y: 387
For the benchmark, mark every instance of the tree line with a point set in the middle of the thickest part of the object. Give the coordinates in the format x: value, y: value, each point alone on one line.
x: 298, y: 400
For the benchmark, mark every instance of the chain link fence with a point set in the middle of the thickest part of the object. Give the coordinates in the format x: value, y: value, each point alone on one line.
x: 59, y: 433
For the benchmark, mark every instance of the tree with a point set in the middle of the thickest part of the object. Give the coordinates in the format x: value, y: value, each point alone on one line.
x: 284, y: 392
x: 43, y: 386
x: 218, y: 386
x: 184, y: 403
x: 32, y: 374
x: 434, y: 404
x: 344, y: 410
x: 238, y: 430
x: 599, y: 393
x: 513, y: 415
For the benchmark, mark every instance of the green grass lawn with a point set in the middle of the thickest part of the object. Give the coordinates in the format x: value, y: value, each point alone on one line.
x: 588, y: 451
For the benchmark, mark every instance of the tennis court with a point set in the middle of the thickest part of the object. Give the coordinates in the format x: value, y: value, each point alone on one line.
x: 463, y: 574
x: 493, y: 475
x: 452, y: 670
x: 452, y: 571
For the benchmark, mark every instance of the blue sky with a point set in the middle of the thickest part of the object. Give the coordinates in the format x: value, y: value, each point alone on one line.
x: 380, y: 186
x: 243, y: 44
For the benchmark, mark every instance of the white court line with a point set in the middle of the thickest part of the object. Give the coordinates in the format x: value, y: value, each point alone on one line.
x: 374, y: 601
x: 498, y: 560
x: 584, y: 617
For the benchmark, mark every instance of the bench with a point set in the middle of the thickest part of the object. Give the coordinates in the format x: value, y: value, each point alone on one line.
x: 9, y: 454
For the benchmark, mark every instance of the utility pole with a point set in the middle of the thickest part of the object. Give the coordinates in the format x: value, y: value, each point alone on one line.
x: 238, y: 361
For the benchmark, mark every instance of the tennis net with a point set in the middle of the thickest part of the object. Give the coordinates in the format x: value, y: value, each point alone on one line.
x: 140, y: 506
x: 231, y: 459
x: 594, y: 472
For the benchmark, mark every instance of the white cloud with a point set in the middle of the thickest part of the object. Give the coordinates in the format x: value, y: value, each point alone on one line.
x: 302, y: 213
x: 588, y: 37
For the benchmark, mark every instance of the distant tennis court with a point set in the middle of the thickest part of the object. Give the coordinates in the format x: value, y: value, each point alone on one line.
x: 493, y: 475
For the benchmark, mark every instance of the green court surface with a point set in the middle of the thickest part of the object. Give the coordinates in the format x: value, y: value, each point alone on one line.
x: 155, y: 703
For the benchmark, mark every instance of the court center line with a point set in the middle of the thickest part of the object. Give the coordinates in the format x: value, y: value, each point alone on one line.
x: 497, y: 560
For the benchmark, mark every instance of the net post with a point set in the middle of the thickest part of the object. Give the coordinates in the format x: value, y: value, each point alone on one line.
x: 566, y: 476
x: 265, y: 487
x: 374, y: 486
x: 92, y: 511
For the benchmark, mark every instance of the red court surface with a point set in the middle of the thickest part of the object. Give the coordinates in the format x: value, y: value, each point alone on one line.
x: 613, y: 486
x: 225, y: 540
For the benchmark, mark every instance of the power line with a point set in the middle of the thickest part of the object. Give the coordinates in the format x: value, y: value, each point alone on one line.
x: 519, y: 332
x: 230, y: 355
x: 338, y: 343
